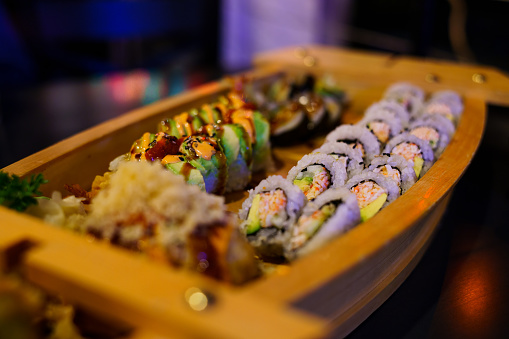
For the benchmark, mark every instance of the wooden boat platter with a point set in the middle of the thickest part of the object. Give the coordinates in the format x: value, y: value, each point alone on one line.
x: 328, y: 291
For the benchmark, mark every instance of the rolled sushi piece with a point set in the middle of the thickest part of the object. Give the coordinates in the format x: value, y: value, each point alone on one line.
x: 404, y: 89
x: 436, y: 129
x: 331, y: 214
x: 357, y: 137
x: 391, y: 106
x: 333, y: 96
x: 396, y: 167
x: 269, y: 214
x: 373, y: 191
x: 383, y: 124
x: 235, y: 110
x: 205, y: 154
x: 409, y: 96
x: 287, y: 123
x: 445, y: 103
x: 447, y: 96
x: 417, y: 151
x: 351, y: 157
x: 239, y: 154
x: 317, y: 172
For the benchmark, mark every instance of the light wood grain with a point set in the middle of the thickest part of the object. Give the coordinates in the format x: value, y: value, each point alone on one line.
x: 336, y: 287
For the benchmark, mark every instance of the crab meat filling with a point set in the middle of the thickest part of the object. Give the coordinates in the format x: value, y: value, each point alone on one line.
x: 380, y: 129
x: 428, y: 134
x: 308, y: 225
x: 390, y: 172
x: 440, y: 108
x: 313, y: 181
x: 355, y: 144
x: 412, y: 153
x: 268, y: 209
x: 367, y: 192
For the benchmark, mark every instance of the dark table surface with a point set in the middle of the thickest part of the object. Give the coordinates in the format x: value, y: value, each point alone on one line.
x: 460, y: 288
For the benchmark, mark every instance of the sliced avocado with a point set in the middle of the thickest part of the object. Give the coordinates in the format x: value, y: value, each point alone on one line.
x: 169, y: 126
x: 253, y: 218
x: 303, y: 183
x: 230, y: 143
x: 418, y: 162
x: 191, y: 175
x: 373, y: 208
x: 314, y: 224
x: 244, y: 143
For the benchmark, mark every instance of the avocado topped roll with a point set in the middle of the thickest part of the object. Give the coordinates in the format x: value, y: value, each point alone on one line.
x: 206, y: 155
x: 268, y: 215
x: 165, y: 149
x: 383, y: 124
x: 357, y: 137
x: 434, y: 128
x: 239, y: 155
x: 181, y: 125
x: 350, y: 157
x: 374, y: 191
x: 331, y: 214
x: 396, y: 167
x: 417, y: 151
x: 317, y: 172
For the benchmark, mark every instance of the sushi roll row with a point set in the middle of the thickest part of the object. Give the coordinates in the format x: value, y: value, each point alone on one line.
x: 216, y: 146
x: 298, y: 107
x: 360, y: 169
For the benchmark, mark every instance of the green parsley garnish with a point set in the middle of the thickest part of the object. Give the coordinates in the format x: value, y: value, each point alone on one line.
x: 17, y: 193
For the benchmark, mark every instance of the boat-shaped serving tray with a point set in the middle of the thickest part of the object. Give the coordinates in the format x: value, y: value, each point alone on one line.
x: 331, y: 290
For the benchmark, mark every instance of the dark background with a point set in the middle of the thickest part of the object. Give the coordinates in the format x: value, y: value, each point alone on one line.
x: 68, y: 65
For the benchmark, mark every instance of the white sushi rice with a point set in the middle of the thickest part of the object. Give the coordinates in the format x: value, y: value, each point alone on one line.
x: 336, y: 168
x: 345, y: 217
x: 407, y: 173
x: 347, y: 132
x: 426, y: 150
x: 352, y: 157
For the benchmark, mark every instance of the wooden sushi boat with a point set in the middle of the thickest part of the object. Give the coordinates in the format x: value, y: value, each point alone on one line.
x: 331, y: 290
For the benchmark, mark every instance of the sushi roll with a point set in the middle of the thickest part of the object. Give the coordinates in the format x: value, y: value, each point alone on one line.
x: 351, y: 157
x: 357, y: 137
x: 417, y: 151
x: 404, y: 89
x: 446, y: 103
x: 447, y: 96
x: 409, y: 96
x: 373, y: 191
x: 205, y: 153
x: 234, y: 110
x: 391, y: 106
x: 436, y: 129
x: 383, y: 124
x: 269, y: 214
x: 328, y: 216
x: 333, y: 96
x: 316, y: 173
x: 396, y: 167
x: 239, y: 155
